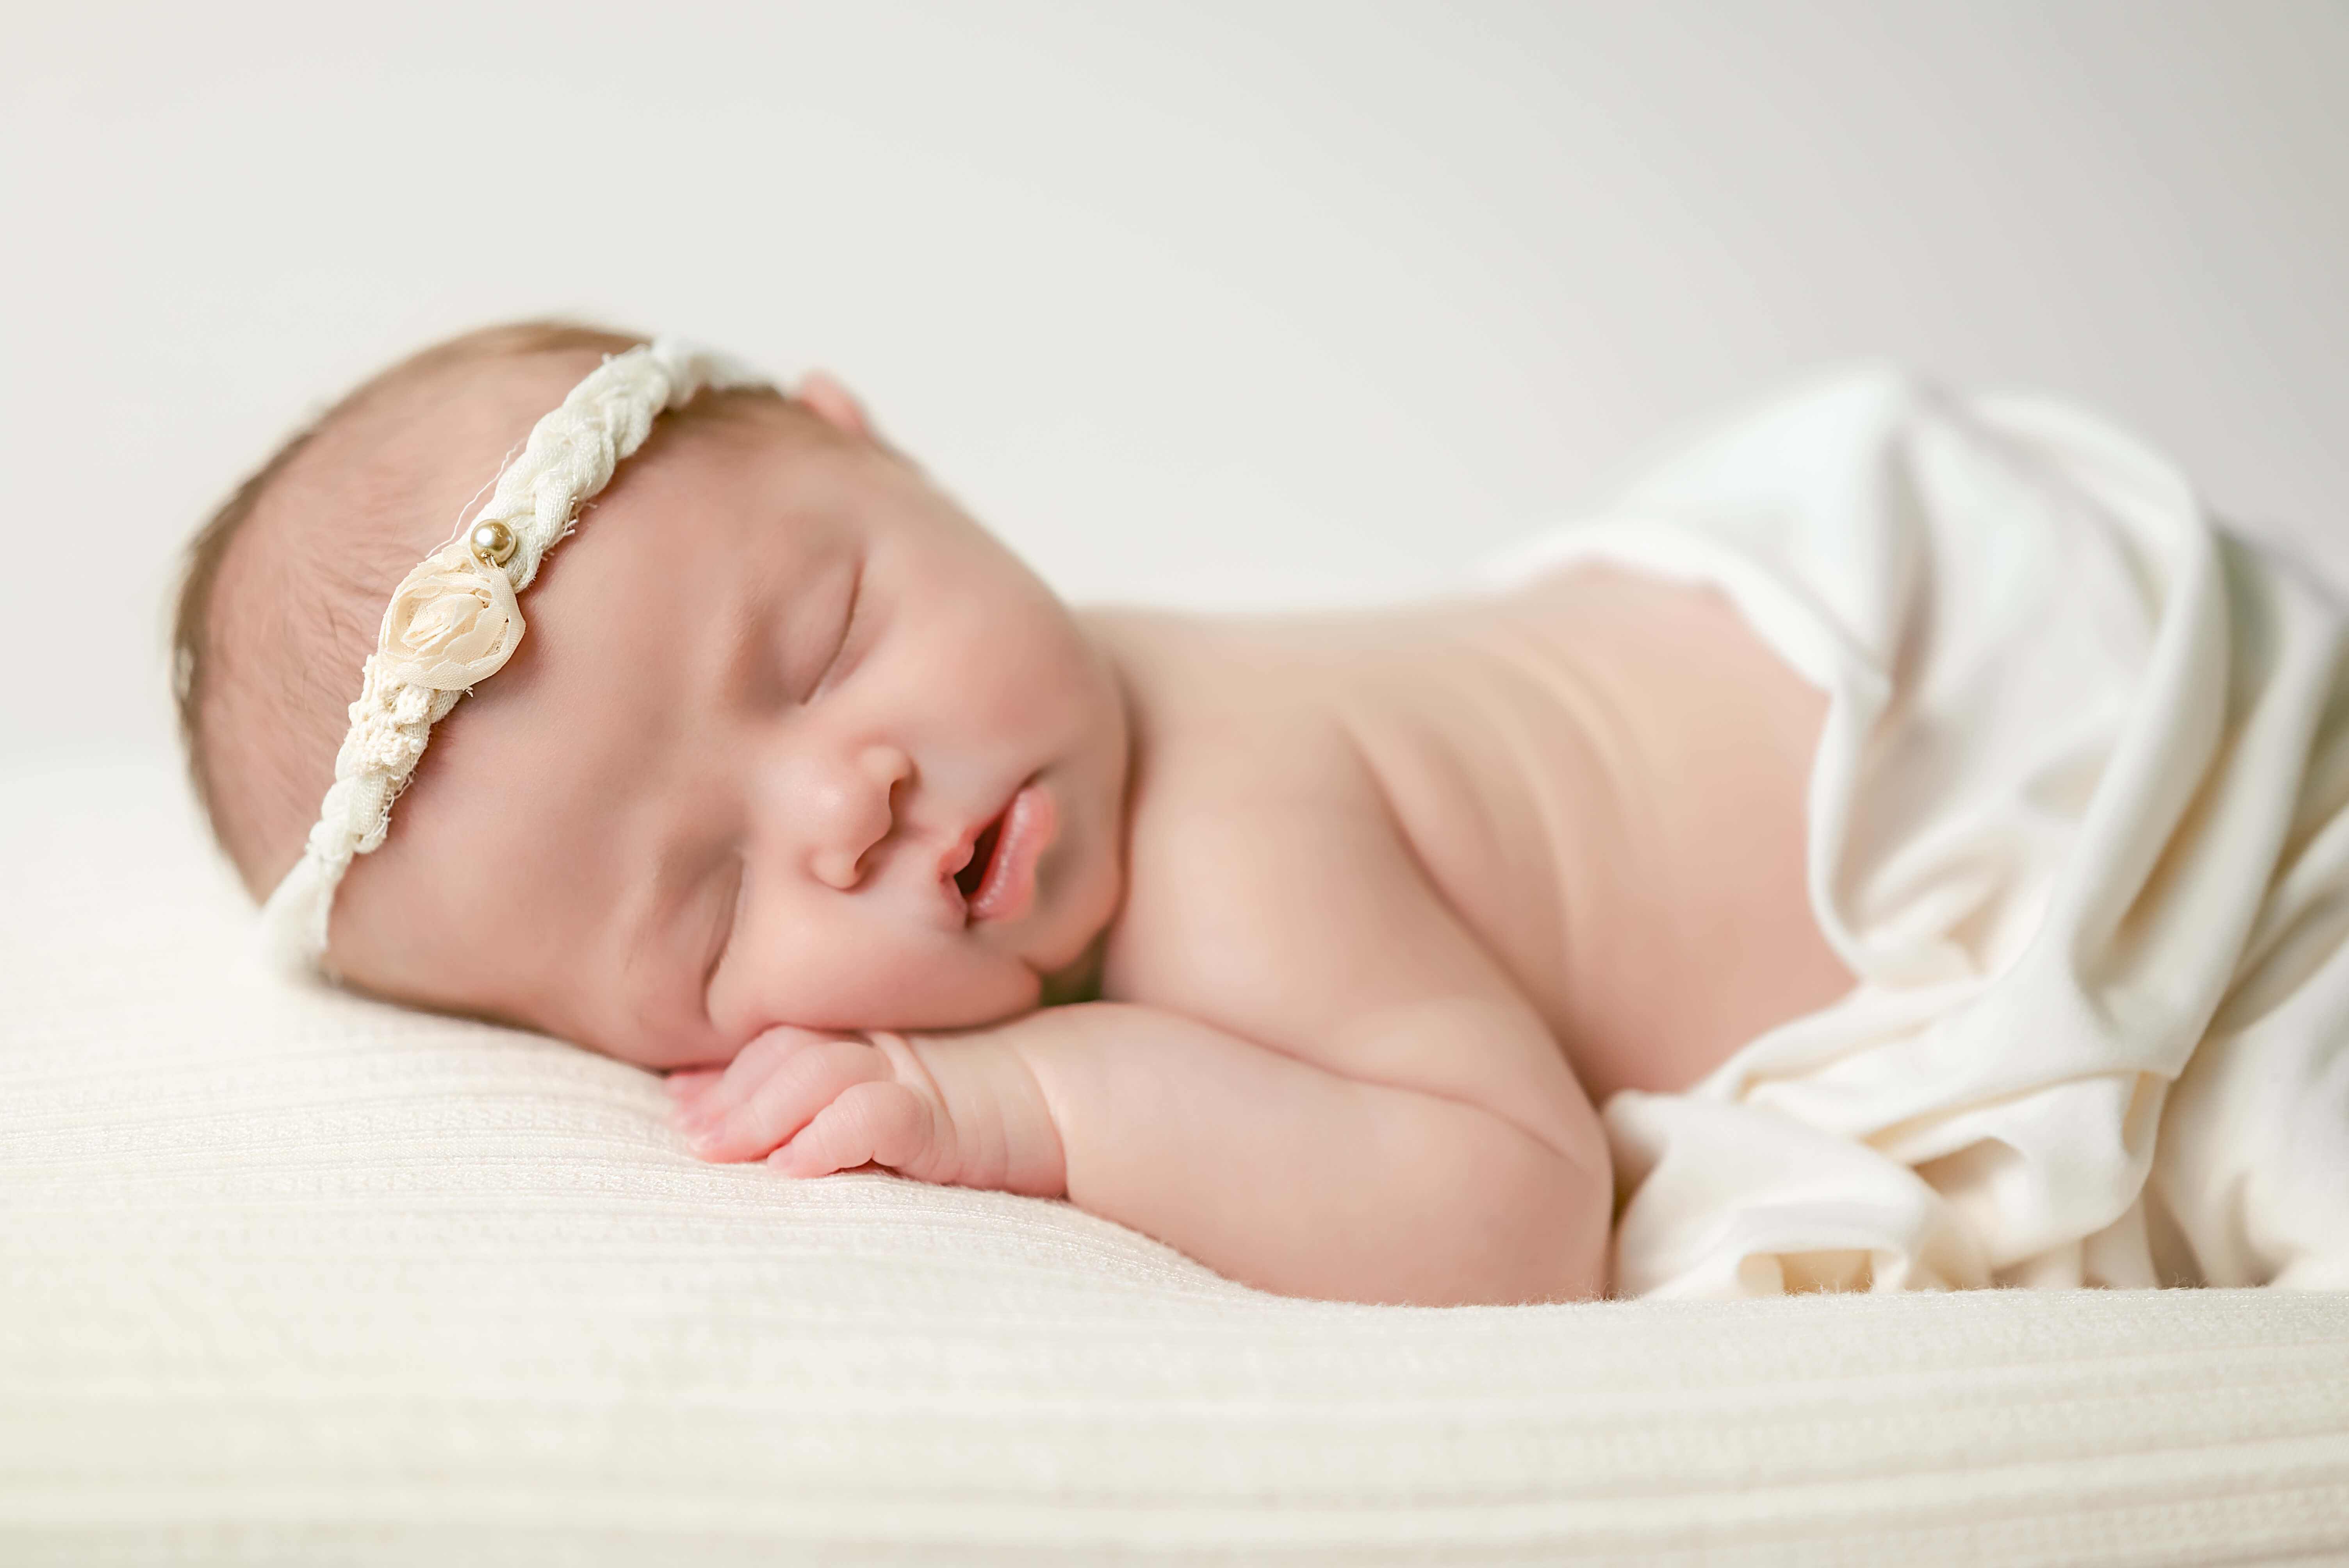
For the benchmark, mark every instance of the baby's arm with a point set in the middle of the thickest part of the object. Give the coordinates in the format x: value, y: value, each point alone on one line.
x: 1276, y: 1171
x: 1343, y: 1095
x: 1286, y: 1174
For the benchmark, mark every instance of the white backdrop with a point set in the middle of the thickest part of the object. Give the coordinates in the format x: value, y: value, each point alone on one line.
x: 1232, y: 303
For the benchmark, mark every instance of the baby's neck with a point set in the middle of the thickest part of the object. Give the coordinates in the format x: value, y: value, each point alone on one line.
x: 1079, y: 980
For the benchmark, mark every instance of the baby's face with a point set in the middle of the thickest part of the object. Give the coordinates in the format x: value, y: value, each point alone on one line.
x: 790, y: 740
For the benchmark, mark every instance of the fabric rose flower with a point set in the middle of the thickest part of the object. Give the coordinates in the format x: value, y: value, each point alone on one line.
x: 452, y: 623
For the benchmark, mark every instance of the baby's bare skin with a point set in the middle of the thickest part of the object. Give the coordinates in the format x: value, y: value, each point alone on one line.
x: 1407, y: 893
x: 1375, y: 906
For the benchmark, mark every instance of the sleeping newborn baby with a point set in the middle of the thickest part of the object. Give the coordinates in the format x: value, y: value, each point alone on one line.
x: 1910, y: 820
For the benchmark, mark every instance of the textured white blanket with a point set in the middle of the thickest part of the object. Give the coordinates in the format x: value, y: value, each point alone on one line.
x: 298, y: 1279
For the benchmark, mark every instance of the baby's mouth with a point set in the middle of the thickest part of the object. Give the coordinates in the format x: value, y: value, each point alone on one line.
x: 999, y: 881
x: 982, y: 854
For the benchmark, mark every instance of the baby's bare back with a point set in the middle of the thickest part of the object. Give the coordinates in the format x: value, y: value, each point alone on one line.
x: 1406, y: 895
x: 1602, y: 777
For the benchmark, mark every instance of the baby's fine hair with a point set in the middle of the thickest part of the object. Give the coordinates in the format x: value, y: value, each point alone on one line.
x: 274, y: 619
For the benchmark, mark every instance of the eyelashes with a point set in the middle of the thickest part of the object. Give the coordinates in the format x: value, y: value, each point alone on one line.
x: 839, y: 664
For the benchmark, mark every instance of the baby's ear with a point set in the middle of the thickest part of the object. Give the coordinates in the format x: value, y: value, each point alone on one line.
x: 835, y: 404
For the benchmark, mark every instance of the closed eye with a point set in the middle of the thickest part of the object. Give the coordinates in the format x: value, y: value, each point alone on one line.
x: 838, y: 666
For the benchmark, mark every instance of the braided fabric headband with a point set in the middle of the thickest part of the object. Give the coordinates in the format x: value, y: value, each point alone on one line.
x: 454, y: 621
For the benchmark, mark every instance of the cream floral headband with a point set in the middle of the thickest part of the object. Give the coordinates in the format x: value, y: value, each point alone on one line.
x: 455, y: 621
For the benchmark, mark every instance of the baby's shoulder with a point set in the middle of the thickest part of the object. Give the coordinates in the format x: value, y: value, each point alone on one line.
x: 1234, y: 721
x: 1262, y: 845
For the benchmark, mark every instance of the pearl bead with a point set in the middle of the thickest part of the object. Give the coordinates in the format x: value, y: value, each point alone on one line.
x: 493, y: 544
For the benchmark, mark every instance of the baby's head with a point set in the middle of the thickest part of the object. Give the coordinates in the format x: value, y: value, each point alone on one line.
x: 790, y: 738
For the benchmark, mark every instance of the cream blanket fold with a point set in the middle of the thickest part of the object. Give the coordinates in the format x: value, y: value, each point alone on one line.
x: 2075, y: 824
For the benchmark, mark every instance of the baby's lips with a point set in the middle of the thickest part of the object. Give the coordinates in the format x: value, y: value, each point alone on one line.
x: 1028, y: 826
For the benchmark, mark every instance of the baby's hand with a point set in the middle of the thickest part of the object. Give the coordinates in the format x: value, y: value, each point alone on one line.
x: 811, y: 1104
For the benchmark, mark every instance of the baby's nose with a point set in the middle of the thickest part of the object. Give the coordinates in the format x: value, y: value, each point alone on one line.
x: 857, y: 813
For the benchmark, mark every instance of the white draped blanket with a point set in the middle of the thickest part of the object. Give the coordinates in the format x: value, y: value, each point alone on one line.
x: 2076, y: 823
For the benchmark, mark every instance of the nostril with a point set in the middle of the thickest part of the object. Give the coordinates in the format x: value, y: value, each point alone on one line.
x: 855, y: 815
x: 838, y: 868
x: 892, y: 769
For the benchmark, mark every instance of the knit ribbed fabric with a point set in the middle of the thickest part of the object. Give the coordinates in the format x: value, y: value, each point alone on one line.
x: 291, y: 1277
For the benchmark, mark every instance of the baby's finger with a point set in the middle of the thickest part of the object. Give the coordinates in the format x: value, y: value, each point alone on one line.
x: 882, y: 1123
x: 701, y: 1105
x: 806, y: 1081
x: 687, y: 1083
x: 752, y: 1066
